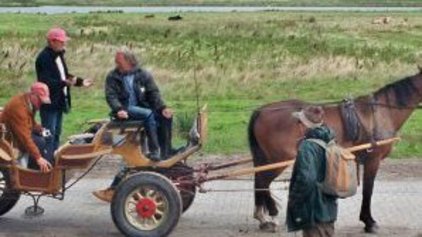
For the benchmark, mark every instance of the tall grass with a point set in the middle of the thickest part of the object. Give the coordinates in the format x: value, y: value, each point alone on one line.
x: 240, y: 60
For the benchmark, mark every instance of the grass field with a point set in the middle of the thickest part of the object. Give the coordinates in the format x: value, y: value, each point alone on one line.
x: 213, y: 2
x: 240, y: 61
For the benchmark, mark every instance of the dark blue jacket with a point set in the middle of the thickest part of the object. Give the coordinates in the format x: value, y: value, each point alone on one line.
x: 307, y: 205
x: 146, y: 91
x: 48, y: 73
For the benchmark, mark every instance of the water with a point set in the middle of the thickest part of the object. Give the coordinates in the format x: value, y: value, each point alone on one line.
x: 181, y: 9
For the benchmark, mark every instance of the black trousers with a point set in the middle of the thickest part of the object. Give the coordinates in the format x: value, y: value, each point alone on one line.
x: 42, y: 146
x: 164, y: 131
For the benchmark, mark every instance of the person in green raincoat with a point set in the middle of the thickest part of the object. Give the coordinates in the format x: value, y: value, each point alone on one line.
x: 308, y: 208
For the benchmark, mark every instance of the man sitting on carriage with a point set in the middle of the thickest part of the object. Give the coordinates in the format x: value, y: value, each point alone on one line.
x: 132, y: 94
x: 18, y: 118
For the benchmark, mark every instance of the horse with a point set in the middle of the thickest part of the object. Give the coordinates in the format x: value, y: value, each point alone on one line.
x: 274, y: 134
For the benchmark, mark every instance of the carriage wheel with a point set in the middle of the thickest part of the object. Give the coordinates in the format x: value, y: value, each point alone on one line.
x: 146, y: 204
x: 8, y: 198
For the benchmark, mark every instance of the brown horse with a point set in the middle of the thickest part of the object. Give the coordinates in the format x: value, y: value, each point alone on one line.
x: 274, y: 135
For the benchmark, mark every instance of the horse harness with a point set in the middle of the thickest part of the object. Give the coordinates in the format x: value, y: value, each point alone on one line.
x: 355, y: 128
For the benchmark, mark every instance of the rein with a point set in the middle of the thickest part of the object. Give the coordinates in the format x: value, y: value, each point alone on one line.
x: 390, y: 106
x: 356, y: 102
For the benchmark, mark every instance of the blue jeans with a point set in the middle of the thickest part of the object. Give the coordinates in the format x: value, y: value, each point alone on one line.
x: 52, y: 120
x: 155, y: 121
x: 143, y: 114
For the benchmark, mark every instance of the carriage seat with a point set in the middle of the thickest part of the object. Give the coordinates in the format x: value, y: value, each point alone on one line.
x: 131, y: 126
x: 125, y: 124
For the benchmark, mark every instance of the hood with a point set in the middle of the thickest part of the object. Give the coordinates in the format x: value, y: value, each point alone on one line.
x: 322, y: 132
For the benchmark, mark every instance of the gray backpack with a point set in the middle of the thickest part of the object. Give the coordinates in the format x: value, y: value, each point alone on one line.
x: 341, y: 170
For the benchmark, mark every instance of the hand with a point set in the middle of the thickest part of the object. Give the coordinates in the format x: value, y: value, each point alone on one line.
x: 87, y: 83
x: 38, y: 129
x: 44, y: 165
x: 122, y: 114
x: 167, y: 113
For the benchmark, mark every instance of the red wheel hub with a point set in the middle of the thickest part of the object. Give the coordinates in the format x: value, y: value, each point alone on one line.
x: 146, y: 208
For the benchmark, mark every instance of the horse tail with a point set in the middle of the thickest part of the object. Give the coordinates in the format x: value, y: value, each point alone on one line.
x: 258, y: 155
x: 262, y: 179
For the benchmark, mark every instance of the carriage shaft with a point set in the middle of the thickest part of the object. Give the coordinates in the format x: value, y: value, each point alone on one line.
x: 248, y: 171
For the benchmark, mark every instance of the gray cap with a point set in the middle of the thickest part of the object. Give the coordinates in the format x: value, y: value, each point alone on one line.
x: 311, y: 116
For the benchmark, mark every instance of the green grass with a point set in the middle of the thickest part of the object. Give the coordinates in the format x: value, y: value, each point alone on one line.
x: 240, y: 60
x: 213, y: 2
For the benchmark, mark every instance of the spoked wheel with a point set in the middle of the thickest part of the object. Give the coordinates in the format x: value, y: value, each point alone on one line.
x: 146, y: 204
x: 8, y: 197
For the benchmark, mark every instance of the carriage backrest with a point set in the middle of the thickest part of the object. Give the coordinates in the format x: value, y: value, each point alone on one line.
x: 79, y: 156
x: 6, y: 150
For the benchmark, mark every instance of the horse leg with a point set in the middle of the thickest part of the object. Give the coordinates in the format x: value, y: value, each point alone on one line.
x: 265, y: 206
x: 371, y: 166
x: 260, y: 197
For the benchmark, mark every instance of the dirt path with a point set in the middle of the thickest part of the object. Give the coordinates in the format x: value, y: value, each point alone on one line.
x: 397, y: 206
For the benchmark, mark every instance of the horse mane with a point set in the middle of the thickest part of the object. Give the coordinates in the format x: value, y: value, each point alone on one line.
x: 402, y: 89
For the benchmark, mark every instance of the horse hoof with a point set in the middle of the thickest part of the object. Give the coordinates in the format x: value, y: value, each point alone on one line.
x: 268, y: 227
x: 372, y: 229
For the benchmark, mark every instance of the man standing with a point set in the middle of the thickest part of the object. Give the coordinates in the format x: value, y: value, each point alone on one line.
x: 132, y: 93
x: 52, y: 70
x: 25, y: 133
x: 309, y: 209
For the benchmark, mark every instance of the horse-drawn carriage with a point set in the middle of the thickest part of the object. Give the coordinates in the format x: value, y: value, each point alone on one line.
x: 152, y: 196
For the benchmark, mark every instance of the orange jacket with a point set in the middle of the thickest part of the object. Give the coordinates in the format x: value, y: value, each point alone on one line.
x: 18, y: 118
